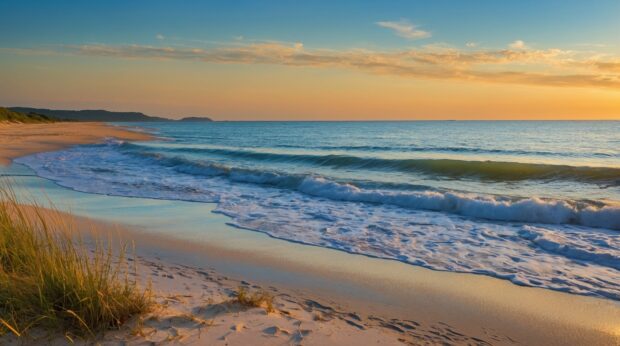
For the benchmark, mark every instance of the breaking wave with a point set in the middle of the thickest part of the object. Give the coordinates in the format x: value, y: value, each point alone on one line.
x: 490, y: 207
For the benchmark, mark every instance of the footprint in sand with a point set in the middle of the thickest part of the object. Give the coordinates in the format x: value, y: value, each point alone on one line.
x: 275, y: 331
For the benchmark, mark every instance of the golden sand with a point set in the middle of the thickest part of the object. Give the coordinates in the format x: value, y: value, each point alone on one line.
x: 24, y: 139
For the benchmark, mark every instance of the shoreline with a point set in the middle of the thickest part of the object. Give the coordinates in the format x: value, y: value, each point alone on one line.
x: 24, y: 139
x: 480, y: 305
x: 196, y: 304
x: 473, y: 305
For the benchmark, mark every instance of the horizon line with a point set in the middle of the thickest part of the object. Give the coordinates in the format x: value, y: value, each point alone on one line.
x: 309, y: 120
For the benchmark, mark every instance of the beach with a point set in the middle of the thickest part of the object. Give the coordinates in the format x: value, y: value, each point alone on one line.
x: 196, y: 261
x: 195, y: 305
x: 309, y: 173
x: 23, y: 139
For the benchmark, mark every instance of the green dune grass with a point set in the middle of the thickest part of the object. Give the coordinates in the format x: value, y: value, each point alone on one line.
x: 17, y: 117
x: 50, y: 280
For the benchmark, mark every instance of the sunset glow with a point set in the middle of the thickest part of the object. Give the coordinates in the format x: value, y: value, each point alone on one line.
x: 354, y: 62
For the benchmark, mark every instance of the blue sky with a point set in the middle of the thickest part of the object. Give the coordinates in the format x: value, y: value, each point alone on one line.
x: 329, y: 24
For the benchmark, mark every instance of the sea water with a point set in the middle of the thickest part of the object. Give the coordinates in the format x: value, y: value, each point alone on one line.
x: 536, y: 203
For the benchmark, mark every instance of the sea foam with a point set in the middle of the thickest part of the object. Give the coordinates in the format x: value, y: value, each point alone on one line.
x: 498, y: 208
x: 539, y: 242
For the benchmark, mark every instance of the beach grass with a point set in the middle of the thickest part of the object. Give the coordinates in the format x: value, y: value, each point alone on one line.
x: 7, y: 115
x: 51, y: 281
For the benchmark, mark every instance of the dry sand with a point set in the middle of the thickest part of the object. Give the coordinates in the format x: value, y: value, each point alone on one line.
x: 24, y: 139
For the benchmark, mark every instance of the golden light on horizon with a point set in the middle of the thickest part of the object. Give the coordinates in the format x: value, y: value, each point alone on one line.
x: 248, y: 92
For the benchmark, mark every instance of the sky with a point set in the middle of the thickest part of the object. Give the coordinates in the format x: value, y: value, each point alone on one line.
x: 315, y: 60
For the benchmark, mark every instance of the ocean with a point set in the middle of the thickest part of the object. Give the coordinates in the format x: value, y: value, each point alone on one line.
x: 533, y: 202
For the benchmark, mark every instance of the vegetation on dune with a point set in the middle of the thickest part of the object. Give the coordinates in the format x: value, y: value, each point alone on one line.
x: 50, y: 280
x: 101, y: 115
x: 89, y: 114
x: 17, y: 117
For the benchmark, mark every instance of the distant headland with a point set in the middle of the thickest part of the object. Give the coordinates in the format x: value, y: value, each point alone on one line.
x: 101, y: 115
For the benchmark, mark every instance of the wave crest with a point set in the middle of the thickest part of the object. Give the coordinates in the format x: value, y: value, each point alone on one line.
x: 534, y: 210
x: 490, y: 207
x: 446, y: 168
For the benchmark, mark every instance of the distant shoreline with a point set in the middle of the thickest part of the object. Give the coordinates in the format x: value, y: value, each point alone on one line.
x: 104, y: 115
x: 132, y: 116
x: 23, y: 139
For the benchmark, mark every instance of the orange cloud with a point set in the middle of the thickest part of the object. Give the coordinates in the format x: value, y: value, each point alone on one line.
x: 412, y: 63
x: 544, y: 67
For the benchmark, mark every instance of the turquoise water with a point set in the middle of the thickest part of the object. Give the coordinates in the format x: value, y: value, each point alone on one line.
x: 536, y: 203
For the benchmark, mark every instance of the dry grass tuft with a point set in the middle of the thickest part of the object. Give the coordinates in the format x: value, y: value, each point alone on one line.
x: 258, y: 299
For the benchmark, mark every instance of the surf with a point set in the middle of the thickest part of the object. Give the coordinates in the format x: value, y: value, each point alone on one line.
x: 490, y: 207
x: 497, y: 171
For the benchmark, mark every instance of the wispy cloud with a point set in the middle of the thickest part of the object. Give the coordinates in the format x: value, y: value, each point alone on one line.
x: 610, y: 66
x: 518, y: 44
x: 160, y: 37
x: 405, y: 29
x: 521, y: 65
